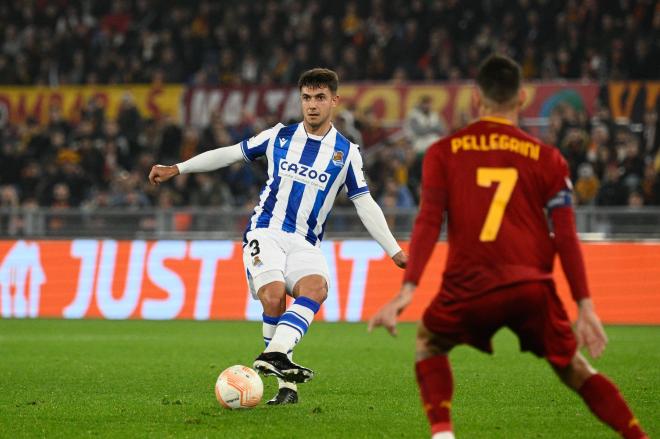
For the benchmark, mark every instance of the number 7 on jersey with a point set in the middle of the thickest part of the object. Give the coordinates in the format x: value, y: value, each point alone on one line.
x: 506, y: 179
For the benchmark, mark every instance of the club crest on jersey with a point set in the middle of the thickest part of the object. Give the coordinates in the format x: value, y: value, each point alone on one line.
x: 338, y: 158
x: 256, y: 261
x: 304, y: 174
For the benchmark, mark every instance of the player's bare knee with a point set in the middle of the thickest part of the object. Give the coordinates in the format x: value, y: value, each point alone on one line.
x: 271, y: 307
x: 429, y: 344
x: 422, y: 351
x: 318, y: 294
x: 576, y: 372
x: 582, y: 370
x: 271, y: 297
x: 315, y: 287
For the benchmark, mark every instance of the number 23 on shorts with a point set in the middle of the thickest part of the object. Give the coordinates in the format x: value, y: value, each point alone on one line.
x: 506, y: 179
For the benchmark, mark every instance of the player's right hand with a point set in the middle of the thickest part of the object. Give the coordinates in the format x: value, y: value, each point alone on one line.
x: 160, y: 173
x: 589, y: 330
x: 385, y: 317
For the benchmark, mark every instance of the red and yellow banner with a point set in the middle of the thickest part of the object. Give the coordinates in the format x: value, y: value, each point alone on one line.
x: 19, y: 103
x: 388, y: 103
x: 205, y: 280
x: 629, y: 100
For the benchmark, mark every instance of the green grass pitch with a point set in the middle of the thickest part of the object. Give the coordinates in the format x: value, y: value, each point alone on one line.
x: 155, y: 379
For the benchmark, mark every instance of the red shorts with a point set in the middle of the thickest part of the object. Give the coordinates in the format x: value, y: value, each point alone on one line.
x: 532, y: 310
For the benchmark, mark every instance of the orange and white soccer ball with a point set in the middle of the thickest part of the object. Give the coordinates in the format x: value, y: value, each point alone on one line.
x: 239, y: 387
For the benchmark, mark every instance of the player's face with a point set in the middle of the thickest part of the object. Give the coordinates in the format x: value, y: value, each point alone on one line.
x: 317, y: 105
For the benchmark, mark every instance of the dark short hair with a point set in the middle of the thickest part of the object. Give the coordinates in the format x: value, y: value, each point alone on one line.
x: 499, y: 79
x: 318, y: 78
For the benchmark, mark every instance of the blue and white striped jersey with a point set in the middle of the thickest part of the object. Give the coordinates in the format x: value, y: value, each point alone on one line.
x: 304, y: 177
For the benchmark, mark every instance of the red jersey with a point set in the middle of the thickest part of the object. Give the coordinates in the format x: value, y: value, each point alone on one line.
x: 494, y: 180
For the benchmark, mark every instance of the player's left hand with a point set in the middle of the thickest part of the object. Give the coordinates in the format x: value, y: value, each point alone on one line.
x: 387, y: 315
x: 589, y: 330
x: 400, y: 259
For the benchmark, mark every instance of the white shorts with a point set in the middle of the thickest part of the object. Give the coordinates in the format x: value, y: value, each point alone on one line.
x: 274, y: 255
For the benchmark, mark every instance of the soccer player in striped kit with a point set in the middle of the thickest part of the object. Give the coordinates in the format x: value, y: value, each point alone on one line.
x: 308, y: 164
x: 508, y: 199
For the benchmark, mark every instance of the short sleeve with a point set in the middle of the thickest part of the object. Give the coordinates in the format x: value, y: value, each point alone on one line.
x: 255, y: 146
x: 356, y: 183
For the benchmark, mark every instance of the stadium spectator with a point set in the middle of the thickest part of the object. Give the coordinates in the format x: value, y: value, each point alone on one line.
x: 599, y: 149
x: 9, y: 202
x: 587, y: 184
x: 346, y: 123
x: 394, y: 198
x: 651, y: 132
x: 612, y: 192
x: 650, y: 186
x: 635, y: 200
x: 129, y: 120
x: 371, y: 128
x: 125, y: 192
x: 574, y: 147
x: 8, y: 196
x: 632, y: 163
x: 423, y: 126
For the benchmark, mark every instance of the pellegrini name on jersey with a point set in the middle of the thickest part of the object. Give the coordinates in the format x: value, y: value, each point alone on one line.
x: 494, y: 142
x: 305, y: 174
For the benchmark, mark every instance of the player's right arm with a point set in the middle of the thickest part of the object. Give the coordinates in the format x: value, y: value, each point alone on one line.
x: 204, y: 162
x: 424, y: 237
x: 428, y: 223
x: 248, y: 149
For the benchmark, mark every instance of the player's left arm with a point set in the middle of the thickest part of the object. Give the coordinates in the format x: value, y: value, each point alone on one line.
x: 374, y: 221
x: 589, y: 330
x: 368, y: 210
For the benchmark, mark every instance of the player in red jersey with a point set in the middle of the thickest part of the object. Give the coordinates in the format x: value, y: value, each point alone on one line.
x: 508, y: 201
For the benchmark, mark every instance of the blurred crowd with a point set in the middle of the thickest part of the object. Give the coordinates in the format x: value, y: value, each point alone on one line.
x: 610, y: 164
x: 264, y: 42
x: 101, y: 162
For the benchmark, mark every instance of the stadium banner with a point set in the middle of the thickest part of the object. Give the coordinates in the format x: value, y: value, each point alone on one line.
x: 389, y: 103
x: 19, y: 103
x: 204, y: 280
x: 629, y: 100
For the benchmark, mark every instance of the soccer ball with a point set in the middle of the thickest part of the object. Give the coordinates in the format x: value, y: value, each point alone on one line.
x: 239, y: 387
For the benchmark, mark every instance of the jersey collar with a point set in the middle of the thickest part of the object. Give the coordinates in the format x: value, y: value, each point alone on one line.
x: 317, y: 137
